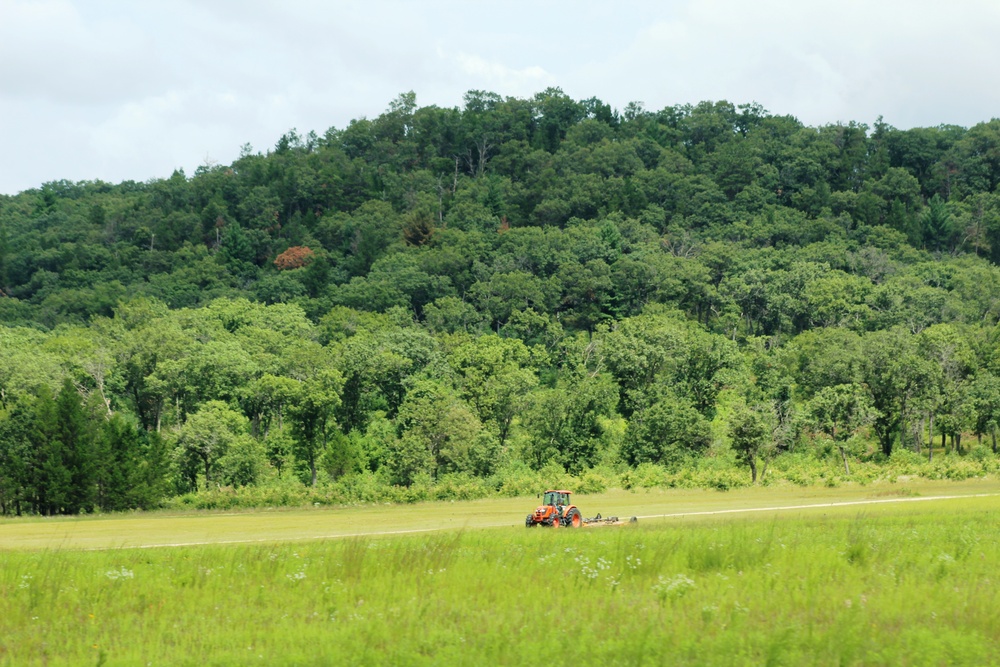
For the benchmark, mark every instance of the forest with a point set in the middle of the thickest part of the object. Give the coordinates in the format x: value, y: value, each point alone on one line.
x: 459, y: 298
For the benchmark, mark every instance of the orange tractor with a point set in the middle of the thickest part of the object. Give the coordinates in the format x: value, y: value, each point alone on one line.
x: 556, y: 510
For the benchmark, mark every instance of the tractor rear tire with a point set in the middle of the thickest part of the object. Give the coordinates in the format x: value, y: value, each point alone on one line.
x: 574, y: 519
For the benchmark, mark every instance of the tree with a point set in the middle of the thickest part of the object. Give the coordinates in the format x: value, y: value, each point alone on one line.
x: 16, y: 459
x: 25, y: 363
x: 936, y: 221
x: 237, y: 251
x: 312, y: 417
x: 435, y: 416
x: 892, y: 374
x: 822, y: 358
x: 243, y: 462
x: 450, y: 314
x: 207, y: 436
x: 115, y: 456
x: 949, y: 362
x: 50, y: 476
x: 750, y: 436
x: 375, y: 366
x: 266, y: 400
x: 407, y: 459
x: 294, y: 258
x: 667, y: 432
x: 555, y: 113
x: 493, y: 379
x: 566, y: 423
x: 145, y: 345
x: 839, y: 411
x: 73, y: 430
x: 504, y: 293
x: 985, y: 397
x: 215, y: 370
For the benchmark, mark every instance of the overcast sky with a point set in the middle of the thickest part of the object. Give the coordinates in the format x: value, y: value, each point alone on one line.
x: 124, y: 89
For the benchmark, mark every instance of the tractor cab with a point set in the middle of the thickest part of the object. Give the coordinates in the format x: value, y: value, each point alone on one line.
x: 556, y: 498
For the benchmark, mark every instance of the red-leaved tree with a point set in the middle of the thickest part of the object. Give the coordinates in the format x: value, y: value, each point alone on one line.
x: 294, y: 258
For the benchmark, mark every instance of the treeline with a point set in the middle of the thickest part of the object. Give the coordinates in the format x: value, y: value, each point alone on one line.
x: 58, y: 459
x: 519, y: 282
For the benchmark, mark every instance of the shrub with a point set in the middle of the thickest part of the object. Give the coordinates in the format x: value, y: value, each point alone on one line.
x: 644, y: 476
x: 591, y: 482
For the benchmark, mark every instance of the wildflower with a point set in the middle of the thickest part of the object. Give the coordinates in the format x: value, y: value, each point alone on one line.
x: 674, y: 587
x: 123, y: 573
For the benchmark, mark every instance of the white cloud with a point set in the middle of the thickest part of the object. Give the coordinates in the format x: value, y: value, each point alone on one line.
x: 120, y: 90
x: 50, y: 51
x: 822, y: 61
x: 479, y: 73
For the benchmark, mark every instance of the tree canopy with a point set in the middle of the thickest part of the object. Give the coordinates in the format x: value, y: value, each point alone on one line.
x: 542, y: 281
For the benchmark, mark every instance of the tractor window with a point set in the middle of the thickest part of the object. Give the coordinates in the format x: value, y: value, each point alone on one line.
x: 555, y: 498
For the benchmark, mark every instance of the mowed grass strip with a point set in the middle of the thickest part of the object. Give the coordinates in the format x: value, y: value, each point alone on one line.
x: 200, y: 527
x: 892, y: 584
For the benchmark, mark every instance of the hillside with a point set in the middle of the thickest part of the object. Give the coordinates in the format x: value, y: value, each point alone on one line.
x: 463, y: 297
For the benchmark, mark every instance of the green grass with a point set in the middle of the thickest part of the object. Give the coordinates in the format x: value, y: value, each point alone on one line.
x: 198, y: 527
x: 894, y: 584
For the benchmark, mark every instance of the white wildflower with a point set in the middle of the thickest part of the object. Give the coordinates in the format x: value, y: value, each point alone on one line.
x: 123, y: 573
x: 673, y: 587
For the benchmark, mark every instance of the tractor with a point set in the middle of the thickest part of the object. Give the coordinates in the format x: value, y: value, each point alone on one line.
x: 556, y: 510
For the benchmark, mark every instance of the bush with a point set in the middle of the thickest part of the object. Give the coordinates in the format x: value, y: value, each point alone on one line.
x: 644, y: 476
x: 591, y: 482
x: 461, y: 486
x: 518, y: 479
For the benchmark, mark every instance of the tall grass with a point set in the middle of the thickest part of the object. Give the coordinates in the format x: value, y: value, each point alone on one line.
x: 907, y: 586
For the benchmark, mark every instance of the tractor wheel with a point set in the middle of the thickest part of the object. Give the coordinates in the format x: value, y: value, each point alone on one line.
x: 556, y: 522
x: 574, y: 519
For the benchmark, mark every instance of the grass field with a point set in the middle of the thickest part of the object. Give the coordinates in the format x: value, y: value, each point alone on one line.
x: 895, y: 583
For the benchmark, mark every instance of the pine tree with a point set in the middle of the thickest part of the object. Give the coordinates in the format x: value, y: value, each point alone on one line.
x: 50, y: 479
x: 150, y: 483
x: 75, y: 433
x: 15, y: 459
x: 937, y: 224
x: 116, y: 463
